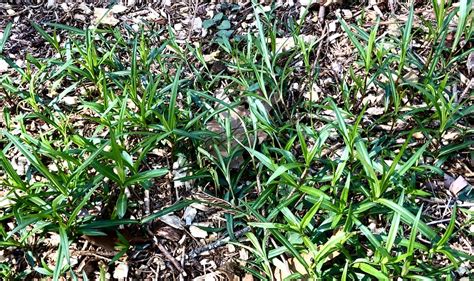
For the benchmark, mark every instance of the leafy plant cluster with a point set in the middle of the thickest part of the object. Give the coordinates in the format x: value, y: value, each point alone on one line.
x: 311, y: 189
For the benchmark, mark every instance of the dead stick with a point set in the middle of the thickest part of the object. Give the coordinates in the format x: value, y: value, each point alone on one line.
x: 218, y: 243
x: 169, y: 257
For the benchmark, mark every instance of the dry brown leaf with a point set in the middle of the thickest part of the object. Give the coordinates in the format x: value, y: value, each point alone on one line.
x: 375, y: 111
x: 169, y: 233
x: 85, y: 8
x: 329, y: 2
x: 104, y: 16
x: 411, y: 76
x: 346, y: 13
x: 243, y: 256
x: 172, y: 220
x: 117, y: 9
x: 121, y: 271
x: 448, y: 180
x: 189, y: 215
x: 211, y: 57
x: 238, y: 132
x: 470, y: 62
x: 288, y: 43
x: 197, y: 232
x: 451, y: 135
x: 418, y: 135
x: 3, y: 66
x: 213, y: 276
x: 282, y: 270
x: 459, y: 184
x: 298, y: 266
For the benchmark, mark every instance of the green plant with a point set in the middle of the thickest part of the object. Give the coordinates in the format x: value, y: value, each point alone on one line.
x: 326, y: 189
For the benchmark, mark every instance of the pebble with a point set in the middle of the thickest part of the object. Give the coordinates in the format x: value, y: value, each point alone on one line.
x: 121, y: 271
x: 197, y: 24
x: 178, y: 27
x: 68, y: 100
x: 3, y: 66
x: 197, y: 232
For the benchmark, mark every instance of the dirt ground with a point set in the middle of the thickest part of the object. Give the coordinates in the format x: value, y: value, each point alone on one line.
x: 169, y: 256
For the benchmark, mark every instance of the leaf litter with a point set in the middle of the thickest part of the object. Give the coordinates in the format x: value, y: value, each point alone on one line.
x: 189, y: 22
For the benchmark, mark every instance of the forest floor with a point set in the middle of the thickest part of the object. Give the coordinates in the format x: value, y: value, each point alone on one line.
x: 237, y: 141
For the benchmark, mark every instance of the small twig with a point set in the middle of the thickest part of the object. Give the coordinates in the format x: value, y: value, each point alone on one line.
x: 169, y: 256
x: 218, y: 243
x: 438, y: 221
x: 322, y: 13
x: 146, y: 201
x: 99, y: 255
x: 190, y: 32
x: 14, y: 14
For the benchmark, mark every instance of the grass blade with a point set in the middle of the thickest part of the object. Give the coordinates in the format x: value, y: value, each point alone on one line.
x: 6, y: 34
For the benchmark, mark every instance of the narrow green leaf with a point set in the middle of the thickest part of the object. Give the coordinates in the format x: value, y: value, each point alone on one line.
x: 7, y: 166
x: 44, y: 34
x: 367, y: 268
x: 310, y: 214
x: 267, y: 162
x: 6, y: 34
x: 353, y: 38
x: 173, y: 208
x: 336, y: 240
x: 449, y: 230
x: 364, y: 158
x: 146, y: 175
x: 405, y: 167
x: 409, y: 218
x: 36, y: 163
x: 464, y: 10
x: 392, y: 234
x: 342, y: 128
x: 122, y: 205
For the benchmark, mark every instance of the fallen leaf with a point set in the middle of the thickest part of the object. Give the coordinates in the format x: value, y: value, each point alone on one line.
x: 448, y: 180
x: 288, y: 43
x: 117, y: 9
x: 411, y: 76
x: 333, y: 26
x: 70, y: 100
x: 197, y: 232
x: 418, y: 135
x: 230, y: 248
x: 243, y: 256
x: 3, y: 66
x: 104, y: 16
x: 216, y: 275
x: 172, y: 220
x: 197, y: 24
x: 298, y: 266
x: 470, y: 62
x: 169, y: 233
x: 121, y: 271
x: 329, y: 2
x: 85, y: 9
x: 347, y: 14
x: 313, y: 95
x: 451, y: 135
x: 189, y: 215
x: 459, y: 184
x: 211, y: 57
x: 307, y: 2
x: 282, y: 270
x: 375, y: 111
